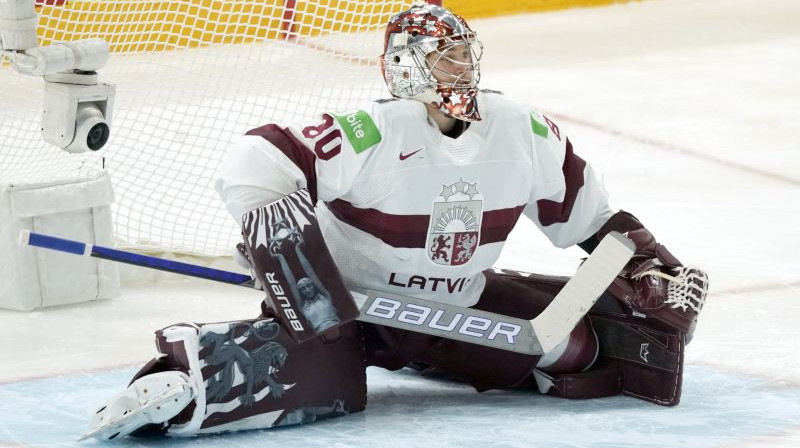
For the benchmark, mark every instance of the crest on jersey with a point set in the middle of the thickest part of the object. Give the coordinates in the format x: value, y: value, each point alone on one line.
x: 455, y: 224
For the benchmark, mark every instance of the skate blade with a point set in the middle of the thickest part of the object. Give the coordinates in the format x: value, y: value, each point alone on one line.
x: 135, y: 419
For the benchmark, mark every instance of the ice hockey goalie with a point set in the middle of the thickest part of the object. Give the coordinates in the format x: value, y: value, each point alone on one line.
x: 415, y: 195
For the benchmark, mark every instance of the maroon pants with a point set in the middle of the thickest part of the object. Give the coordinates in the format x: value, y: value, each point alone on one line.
x: 484, y: 368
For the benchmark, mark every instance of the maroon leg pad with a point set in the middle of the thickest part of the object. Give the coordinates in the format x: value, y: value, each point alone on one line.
x: 604, y: 379
x: 624, y: 343
x: 252, y: 374
x: 650, y: 356
x: 638, y: 356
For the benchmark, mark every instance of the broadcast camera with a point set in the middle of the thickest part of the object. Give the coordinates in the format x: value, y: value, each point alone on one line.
x: 77, y: 108
x: 77, y: 118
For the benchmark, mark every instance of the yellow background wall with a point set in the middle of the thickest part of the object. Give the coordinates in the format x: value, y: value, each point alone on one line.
x: 158, y: 25
x: 486, y: 8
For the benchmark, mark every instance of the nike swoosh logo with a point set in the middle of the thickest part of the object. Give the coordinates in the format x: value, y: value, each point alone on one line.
x: 405, y: 156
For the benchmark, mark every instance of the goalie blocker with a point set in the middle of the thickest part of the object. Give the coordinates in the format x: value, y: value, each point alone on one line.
x: 290, y: 260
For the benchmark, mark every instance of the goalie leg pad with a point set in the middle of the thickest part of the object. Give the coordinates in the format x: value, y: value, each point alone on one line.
x: 236, y: 376
x: 650, y: 356
x: 252, y: 375
x: 638, y: 356
x: 643, y: 359
x: 602, y: 380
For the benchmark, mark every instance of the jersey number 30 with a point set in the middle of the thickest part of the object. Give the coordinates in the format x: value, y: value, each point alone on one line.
x: 327, y: 139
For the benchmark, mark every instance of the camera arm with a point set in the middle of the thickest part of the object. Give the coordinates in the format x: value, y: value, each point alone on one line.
x: 77, y: 108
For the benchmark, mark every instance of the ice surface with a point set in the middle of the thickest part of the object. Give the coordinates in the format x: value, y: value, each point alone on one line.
x: 690, y: 109
x: 405, y: 410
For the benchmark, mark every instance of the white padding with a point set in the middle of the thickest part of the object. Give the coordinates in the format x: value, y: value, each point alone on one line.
x: 79, y: 209
x: 28, y: 200
x: 18, y: 22
x: 22, y: 39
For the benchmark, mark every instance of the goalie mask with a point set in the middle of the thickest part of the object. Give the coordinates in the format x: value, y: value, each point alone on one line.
x: 431, y: 55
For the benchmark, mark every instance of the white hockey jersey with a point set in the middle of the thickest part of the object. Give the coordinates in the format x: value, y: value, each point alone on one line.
x: 406, y: 209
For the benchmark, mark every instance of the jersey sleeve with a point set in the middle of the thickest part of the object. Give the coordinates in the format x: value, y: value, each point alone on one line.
x: 272, y: 161
x: 569, y: 202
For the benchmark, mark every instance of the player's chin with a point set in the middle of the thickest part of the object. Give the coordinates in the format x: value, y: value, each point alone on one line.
x: 576, y: 354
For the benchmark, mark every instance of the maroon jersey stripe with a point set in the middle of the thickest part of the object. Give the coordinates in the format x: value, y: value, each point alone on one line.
x: 290, y: 146
x: 411, y: 231
x: 394, y: 230
x: 551, y: 212
x: 497, y: 224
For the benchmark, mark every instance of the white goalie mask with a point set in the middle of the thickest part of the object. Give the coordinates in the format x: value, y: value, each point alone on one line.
x: 431, y: 55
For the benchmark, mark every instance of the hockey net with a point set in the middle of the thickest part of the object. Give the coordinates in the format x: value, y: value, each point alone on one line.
x: 191, y: 75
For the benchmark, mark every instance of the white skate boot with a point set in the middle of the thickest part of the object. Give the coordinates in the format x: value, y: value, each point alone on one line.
x: 153, y: 398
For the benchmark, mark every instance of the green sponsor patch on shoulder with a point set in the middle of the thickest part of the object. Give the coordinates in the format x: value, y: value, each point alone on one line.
x: 360, y: 130
x: 539, y: 129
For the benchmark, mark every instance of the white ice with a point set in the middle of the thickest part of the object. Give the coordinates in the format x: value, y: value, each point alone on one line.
x: 689, y: 108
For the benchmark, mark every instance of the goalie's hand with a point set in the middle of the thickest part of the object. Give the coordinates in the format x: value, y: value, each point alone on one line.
x: 687, y: 288
x: 242, y: 259
x: 656, y: 284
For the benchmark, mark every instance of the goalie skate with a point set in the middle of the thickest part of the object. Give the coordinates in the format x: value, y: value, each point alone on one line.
x: 151, y: 399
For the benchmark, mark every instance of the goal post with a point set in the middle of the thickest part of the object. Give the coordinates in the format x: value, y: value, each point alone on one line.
x: 191, y: 75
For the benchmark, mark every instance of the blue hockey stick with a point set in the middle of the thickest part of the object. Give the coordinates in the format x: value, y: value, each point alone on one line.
x: 29, y: 238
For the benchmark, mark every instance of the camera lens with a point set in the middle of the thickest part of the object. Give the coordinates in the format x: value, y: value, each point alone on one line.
x: 98, y: 136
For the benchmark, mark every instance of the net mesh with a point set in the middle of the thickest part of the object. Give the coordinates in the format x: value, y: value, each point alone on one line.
x: 190, y: 76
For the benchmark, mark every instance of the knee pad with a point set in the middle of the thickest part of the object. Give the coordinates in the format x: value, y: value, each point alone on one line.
x: 575, y: 354
x: 251, y: 375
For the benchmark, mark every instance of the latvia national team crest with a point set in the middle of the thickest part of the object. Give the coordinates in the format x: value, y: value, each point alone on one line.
x: 455, y: 224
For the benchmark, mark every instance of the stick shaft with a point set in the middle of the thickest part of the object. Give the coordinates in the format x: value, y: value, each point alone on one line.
x: 106, y: 253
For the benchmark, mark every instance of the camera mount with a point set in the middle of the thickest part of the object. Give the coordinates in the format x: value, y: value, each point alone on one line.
x: 77, y: 108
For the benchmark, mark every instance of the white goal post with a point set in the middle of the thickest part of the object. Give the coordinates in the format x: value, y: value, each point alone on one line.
x: 191, y: 75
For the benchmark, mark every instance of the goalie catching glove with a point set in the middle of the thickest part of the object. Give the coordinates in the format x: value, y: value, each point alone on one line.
x: 655, y: 283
